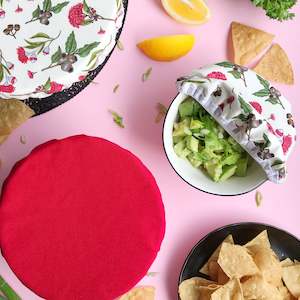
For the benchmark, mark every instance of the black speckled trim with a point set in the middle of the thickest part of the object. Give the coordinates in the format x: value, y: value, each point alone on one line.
x: 42, y: 105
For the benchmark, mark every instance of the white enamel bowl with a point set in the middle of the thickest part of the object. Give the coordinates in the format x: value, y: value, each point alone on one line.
x: 196, y: 177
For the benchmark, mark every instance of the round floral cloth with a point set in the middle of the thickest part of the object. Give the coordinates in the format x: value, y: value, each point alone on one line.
x: 250, y: 109
x: 47, y: 45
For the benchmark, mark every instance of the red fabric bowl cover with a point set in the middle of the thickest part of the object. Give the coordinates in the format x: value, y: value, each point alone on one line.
x: 80, y: 218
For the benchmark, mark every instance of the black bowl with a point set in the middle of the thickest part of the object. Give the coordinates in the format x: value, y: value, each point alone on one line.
x: 283, y: 243
x: 42, y: 105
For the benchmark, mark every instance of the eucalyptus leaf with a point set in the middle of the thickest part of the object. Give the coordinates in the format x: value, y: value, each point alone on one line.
x: 94, y: 56
x: 58, y: 7
x: 263, y: 82
x: 47, y: 5
x: 236, y: 74
x: 40, y: 35
x: 273, y: 101
x: 47, y: 85
x: 225, y: 64
x: 262, y: 93
x: 86, y: 49
x: 1, y: 73
x: 56, y: 56
x: 36, y: 12
x: 86, y: 8
x: 245, y: 106
x: 71, y: 44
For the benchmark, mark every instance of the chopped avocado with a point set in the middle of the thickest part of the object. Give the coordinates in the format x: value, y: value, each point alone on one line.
x: 213, y: 143
x: 231, y: 159
x: 192, y: 143
x: 195, y: 162
x: 214, y: 170
x: 196, y: 124
x: 228, y: 171
x: 242, y: 166
x: 198, y: 138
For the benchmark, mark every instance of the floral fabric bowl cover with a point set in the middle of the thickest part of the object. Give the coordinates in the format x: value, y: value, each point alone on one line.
x: 47, y: 45
x: 250, y: 109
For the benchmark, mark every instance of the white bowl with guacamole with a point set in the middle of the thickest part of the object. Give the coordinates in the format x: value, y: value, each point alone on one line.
x: 204, y: 155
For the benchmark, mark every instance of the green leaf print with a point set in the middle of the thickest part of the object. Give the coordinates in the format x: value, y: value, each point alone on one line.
x: 36, y: 12
x: 56, y: 56
x: 236, y: 74
x: 40, y: 35
x: 263, y: 82
x: 225, y: 64
x: 71, y: 44
x: 1, y: 73
x: 47, y: 5
x: 86, y: 49
x: 262, y: 93
x: 58, y: 7
x: 86, y: 8
x: 245, y: 106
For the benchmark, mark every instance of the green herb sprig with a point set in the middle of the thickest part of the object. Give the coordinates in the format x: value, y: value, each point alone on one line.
x: 277, y: 9
x: 7, y: 291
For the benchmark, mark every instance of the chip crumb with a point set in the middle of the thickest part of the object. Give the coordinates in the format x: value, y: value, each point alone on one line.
x: 161, y: 112
x: 258, y: 198
x: 120, y: 45
x: 147, y: 74
x: 117, y: 118
x: 116, y: 88
x: 23, y: 139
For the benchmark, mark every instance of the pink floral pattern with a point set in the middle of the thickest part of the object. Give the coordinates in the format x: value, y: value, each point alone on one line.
x: 217, y: 75
x: 30, y: 55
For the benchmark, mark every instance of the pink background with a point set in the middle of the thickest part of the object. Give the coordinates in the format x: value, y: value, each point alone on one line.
x: 190, y: 214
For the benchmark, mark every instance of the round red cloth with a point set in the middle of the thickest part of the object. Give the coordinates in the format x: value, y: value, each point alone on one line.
x: 80, y: 218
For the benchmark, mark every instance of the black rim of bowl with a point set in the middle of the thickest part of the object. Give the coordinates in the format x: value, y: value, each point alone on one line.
x: 43, y: 105
x: 197, y: 188
x: 226, y: 227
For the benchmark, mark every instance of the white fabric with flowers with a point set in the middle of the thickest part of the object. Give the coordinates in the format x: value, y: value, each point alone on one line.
x: 47, y: 45
x: 250, y: 109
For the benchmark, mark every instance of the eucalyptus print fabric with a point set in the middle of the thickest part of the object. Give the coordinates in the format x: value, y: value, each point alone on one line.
x: 47, y: 45
x: 250, y: 109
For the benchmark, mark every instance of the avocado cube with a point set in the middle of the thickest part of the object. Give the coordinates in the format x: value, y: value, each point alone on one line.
x: 228, y: 171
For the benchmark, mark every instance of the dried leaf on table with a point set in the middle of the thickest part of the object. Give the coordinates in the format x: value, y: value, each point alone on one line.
x: 147, y: 74
x: 117, y: 119
x: 161, y: 112
x: 258, y: 198
x: 120, y: 45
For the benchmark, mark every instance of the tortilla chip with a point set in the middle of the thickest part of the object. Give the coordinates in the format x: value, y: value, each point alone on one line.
x: 215, y: 255
x: 216, y: 273
x: 275, y: 66
x: 197, y: 288
x: 286, y: 262
x: 13, y: 113
x: 269, y: 265
x: 140, y: 293
x: 260, y: 241
x: 248, y: 42
x: 257, y: 288
x: 235, y: 261
x: 291, y: 278
x: 285, y: 294
x: 231, y: 290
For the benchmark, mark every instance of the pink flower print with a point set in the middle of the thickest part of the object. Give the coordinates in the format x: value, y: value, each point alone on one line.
x: 19, y: 9
x: 101, y: 31
x: 9, y: 65
x: 81, y: 77
x: 46, y: 50
x: 22, y: 56
x: 7, y: 88
x: 55, y: 87
x: 76, y: 15
x: 222, y: 105
x: 230, y: 100
x: 217, y: 75
x: 256, y: 106
x: 270, y: 128
x: 286, y: 143
x: 272, y: 117
x: 2, y: 13
x: 279, y: 132
x: 30, y: 74
x: 11, y: 80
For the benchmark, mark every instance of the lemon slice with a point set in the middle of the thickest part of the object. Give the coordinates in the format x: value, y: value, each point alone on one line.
x: 167, y: 48
x: 187, y: 11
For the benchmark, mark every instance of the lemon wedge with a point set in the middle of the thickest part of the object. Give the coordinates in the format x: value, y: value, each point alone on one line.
x: 187, y: 11
x: 167, y: 48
